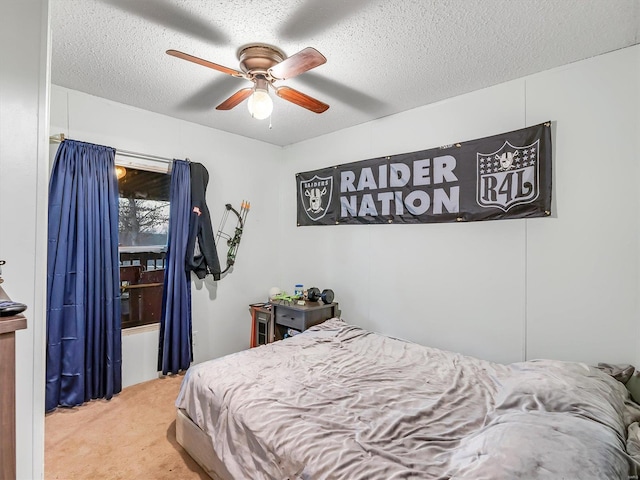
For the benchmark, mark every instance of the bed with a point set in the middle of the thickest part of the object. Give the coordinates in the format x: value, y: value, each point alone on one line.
x: 340, y: 402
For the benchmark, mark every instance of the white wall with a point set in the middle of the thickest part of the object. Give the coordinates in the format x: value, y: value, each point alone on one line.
x: 563, y: 287
x: 23, y: 186
x: 582, y: 275
x: 239, y: 168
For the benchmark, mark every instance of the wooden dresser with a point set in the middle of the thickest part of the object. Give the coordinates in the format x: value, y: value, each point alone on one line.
x: 8, y: 327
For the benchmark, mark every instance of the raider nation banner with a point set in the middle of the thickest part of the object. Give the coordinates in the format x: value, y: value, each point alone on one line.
x: 503, y: 176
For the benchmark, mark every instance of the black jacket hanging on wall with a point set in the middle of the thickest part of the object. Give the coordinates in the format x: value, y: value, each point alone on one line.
x: 202, y: 256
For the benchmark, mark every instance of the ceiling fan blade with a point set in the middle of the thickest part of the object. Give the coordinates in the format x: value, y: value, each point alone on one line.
x: 205, y: 63
x: 235, y: 99
x: 299, y: 98
x: 298, y: 63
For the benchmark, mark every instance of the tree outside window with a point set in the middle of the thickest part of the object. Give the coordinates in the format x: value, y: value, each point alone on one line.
x: 143, y: 228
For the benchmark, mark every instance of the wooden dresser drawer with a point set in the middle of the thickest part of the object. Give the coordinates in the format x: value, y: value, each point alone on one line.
x: 291, y: 318
x: 301, y: 317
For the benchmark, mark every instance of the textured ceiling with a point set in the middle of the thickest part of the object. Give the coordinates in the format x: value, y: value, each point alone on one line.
x: 383, y: 56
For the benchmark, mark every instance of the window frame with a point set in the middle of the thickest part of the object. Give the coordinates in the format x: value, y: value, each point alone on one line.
x: 156, y: 166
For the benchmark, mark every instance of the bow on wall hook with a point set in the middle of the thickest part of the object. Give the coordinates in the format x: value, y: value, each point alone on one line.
x: 232, y: 241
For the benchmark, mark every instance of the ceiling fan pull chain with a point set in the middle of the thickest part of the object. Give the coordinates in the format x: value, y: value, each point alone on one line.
x: 270, y: 122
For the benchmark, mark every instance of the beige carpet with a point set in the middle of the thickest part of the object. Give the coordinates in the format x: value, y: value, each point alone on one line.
x: 132, y: 436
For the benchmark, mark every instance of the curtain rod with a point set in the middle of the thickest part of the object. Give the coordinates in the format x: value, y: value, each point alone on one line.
x: 59, y: 138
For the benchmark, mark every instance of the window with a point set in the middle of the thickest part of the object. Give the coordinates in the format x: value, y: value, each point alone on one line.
x: 143, y: 225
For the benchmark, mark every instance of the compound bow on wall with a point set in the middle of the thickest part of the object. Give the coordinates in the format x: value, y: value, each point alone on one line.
x: 233, y: 241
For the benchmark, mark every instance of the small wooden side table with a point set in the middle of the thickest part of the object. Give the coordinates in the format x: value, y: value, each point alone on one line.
x: 262, y: 327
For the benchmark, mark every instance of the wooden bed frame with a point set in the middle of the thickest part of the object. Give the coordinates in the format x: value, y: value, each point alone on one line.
x: 198, y: 445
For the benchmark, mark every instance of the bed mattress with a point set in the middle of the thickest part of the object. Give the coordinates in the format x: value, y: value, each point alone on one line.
x: 340, y: 402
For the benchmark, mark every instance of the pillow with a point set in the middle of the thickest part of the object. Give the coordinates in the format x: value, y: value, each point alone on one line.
x: 633, y: 385
x: 622, y: 373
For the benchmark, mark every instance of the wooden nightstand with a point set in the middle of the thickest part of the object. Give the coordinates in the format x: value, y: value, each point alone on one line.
x: 300, y: 317
x: 270, y: 321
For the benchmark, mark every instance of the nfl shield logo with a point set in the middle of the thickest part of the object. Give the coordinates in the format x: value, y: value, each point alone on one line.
x: 508, y: 176
x: 315, y: 195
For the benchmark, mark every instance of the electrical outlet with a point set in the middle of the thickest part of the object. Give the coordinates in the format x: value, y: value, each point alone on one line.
x: 194, y: 336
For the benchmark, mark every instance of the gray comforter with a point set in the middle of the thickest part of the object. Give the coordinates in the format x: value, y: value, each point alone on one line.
x: 339, y: 402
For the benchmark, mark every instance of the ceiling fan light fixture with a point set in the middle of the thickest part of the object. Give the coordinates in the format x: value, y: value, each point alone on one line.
x: 260, y: 104
x: 264, y: 64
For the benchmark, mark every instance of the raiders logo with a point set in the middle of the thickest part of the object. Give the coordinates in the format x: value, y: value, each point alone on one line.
x: 315, y: 195
x: 508, y: 176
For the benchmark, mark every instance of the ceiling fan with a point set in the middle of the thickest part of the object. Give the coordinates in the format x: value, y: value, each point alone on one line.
x: 263, y: 65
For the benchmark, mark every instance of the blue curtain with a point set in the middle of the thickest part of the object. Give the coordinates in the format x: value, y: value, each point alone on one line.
x: 175, y: 353
x: 83, y: 277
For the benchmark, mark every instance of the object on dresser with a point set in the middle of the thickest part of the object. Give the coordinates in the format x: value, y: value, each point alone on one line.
x: 315, y: 295
x: 291, y: 333
x: 274, y: 292
x: 8, y: 308
x: 285, y: 298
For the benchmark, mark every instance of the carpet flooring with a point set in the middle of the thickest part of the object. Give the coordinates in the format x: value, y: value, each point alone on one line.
x: 131, y: 436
